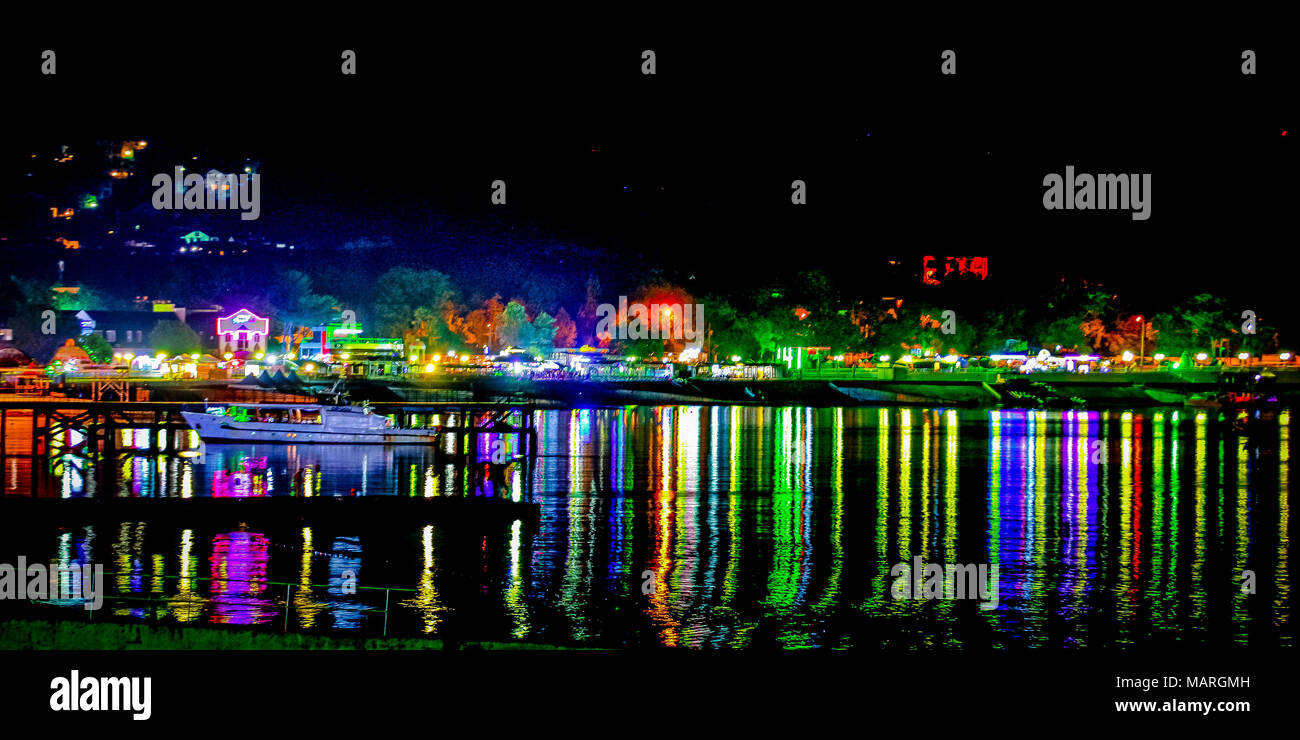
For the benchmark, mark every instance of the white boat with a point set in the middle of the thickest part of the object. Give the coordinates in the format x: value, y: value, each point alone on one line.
x: 302, y: 424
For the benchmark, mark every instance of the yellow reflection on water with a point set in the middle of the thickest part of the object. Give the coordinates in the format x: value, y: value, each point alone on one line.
x: 904, y: 546
x: 187, y: 604
x: 304, y: 604
x: 1037, y: 493
x: 662, y: 565
x: 950, y: 451
x: 1125, y: 590
x: 879, y: 584
x: 926, y: 493
x: 1158, y: 586
x: 1242, y: 535
x: 733, y: 451
x: 426, y: 600
x: 1082, y: 503
x: 514, y: 596
x: 1197, y: 595
x: 1282, y: 598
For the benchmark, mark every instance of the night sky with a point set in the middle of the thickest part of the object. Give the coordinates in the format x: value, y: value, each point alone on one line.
x: 614, y: 173
x: 689, y: 170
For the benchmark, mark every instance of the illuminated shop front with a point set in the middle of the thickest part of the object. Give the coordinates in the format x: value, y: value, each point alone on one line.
x: 342, y: 344
x: 242, y: 331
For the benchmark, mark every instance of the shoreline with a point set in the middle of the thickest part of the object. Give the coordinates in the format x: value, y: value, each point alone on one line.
x: 872, y: 387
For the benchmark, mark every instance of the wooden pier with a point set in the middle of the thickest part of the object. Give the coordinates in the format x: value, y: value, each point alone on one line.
x: 97, y: 420
x: 48, y: 424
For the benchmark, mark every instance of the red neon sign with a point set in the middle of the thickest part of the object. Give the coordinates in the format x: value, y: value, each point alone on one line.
x: 953, y: 266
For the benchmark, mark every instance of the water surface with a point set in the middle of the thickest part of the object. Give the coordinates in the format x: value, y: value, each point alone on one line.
x: 728, y: 527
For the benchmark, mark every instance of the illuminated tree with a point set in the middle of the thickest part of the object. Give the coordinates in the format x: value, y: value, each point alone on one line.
x: 541, y: 333
x: 566, y: 332
x: 482, y: 325
x: 100, y: 351
x: 513, y: 325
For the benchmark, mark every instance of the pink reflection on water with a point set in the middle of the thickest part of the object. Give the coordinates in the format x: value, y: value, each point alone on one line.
x: 248, y: 478
x: 239, y: 562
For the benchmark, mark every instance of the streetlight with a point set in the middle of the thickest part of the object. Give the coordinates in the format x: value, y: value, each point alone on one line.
x: 1142, y: 343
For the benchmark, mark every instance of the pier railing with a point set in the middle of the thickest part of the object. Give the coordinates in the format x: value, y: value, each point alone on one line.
x: 159, y: 606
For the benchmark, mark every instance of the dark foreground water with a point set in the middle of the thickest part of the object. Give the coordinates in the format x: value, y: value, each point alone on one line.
x: 722, y: 527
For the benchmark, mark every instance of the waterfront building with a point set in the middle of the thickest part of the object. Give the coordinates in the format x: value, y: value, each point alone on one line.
x: 126, y: 331
x: 343, y: 344
x: 242, y: 331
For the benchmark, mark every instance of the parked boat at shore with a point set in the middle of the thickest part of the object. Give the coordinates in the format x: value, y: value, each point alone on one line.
x: 303, y: 424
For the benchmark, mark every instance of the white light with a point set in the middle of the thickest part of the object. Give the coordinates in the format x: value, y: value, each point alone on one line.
x: 1202, y: 357
x: 1127, y: 356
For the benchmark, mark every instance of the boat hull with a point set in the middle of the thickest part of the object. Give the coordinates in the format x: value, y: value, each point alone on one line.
x: 215, y: 428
